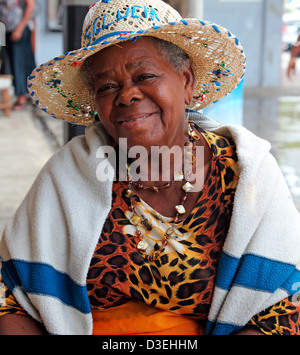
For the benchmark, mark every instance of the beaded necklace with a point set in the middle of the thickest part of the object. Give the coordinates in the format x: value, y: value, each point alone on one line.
x: 135, y: 220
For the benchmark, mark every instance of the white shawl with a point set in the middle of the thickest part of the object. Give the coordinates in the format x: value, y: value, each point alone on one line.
x: 47, y: 248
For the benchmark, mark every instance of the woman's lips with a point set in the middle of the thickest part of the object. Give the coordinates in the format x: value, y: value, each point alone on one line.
x: 134, y: 122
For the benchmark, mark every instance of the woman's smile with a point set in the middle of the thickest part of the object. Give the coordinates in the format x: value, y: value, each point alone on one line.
x: 135, y: 122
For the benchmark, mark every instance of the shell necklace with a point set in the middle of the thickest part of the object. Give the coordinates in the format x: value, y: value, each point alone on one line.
x: 135, y: 220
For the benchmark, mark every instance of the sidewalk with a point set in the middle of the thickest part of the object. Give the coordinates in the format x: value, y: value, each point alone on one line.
x: 23, y: 152
x: 274, y: 114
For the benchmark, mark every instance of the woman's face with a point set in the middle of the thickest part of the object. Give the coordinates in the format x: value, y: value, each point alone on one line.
x: 139, y: 95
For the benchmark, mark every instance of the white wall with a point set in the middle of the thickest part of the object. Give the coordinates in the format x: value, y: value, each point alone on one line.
x: 196, y: 8
x: 48, y: 44
x: 257, y: 24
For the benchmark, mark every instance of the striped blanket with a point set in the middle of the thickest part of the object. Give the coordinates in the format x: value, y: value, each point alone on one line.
x: 47, y: 248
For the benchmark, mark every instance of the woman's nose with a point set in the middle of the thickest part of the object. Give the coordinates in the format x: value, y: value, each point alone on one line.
x: 128, y: 94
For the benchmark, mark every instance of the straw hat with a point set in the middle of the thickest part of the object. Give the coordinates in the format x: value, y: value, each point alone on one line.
x: 217, y: 56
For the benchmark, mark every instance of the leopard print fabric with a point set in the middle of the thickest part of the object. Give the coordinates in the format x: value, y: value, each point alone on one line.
x: 181, y: 283
x: 119, y: 273
x: 8, y: 304
x: 281, y: 319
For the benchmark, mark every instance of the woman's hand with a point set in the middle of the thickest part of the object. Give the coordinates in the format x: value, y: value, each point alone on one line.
x: 248, y: 330
x: 17, y: 34
x: 12, y: 324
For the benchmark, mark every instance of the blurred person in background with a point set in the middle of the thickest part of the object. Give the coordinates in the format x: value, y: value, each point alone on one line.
x: 90, y: 252
x: 17, y: 18
x: 294, y: 54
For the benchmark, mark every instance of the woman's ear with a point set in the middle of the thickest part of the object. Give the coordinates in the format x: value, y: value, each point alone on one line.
x: 190, y: 83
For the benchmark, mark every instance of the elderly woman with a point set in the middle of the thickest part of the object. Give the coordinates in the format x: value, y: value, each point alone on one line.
x: 100, y: 246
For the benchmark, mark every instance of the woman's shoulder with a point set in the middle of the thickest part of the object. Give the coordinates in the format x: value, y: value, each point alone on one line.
x: 81, y: 147
x: 220, y: 145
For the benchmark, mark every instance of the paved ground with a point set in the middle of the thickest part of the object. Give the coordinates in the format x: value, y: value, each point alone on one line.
x: 274, y: 114
x: 23, y: 151
x: 288, y: 136
x: 26, y: 142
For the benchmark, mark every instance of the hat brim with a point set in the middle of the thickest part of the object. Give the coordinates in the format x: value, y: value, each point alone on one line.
x: 218, y: 62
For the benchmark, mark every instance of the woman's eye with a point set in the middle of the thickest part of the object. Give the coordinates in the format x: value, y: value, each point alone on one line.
x: 145, y: 77
x: 106, y: 87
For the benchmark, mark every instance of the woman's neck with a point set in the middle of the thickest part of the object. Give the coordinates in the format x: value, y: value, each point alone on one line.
x: 156, y: 166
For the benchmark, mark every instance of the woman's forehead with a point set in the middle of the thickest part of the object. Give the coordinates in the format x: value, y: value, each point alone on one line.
x: 142, y: 52
x: 138, y: 63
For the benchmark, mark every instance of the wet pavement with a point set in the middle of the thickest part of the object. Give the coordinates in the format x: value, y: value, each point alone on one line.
x: 288, y: 140
x: 274, y: 114
x: 28, y: 140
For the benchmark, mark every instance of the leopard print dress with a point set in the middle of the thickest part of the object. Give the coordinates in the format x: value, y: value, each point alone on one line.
x: 182, y: 279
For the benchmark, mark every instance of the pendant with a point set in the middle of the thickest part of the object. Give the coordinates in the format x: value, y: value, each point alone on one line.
x: 135, y: 220
x: 194, y: 135
x: 156, y: 255
x: 180, y: 209
x: 178, y: 176
x: 129, y: 193
x: 170, y: 231
x: 142, y: 245
x: 190, y: 159
x: 187, y: 187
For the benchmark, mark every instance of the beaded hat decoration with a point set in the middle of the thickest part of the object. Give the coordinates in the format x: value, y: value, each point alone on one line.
x: 217, y: 57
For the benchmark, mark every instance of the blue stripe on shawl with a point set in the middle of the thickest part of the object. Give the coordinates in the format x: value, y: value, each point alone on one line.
x: 227, y: 268
x: 220, y: 328
x: 292, y: 284
x: 256, y: 272
x: 43, y: 279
